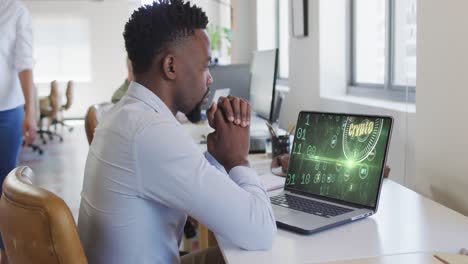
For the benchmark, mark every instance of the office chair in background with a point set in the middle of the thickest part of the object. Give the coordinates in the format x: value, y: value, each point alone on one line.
x: 59, y: 120
x: 49, y: 108
x: 36, y: 225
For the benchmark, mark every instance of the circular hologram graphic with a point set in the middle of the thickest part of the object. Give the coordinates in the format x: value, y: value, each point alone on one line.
x: 360, y: 137
x: 363, y: 171
x: 371, y: 155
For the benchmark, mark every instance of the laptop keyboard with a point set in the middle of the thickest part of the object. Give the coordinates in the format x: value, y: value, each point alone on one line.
x: 308, y: 206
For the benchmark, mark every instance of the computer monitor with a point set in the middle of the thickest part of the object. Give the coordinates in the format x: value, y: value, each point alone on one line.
x: 262, y: 83
x: 236, y: 77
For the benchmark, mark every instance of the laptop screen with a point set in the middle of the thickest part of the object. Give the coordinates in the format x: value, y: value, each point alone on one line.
x: 339, y: 156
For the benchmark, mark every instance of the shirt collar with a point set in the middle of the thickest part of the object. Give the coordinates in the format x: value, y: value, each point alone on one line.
x: 143, y: 94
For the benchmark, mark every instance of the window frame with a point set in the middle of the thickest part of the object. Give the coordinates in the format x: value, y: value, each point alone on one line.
x: 387, y: 90
x: 281, y: 80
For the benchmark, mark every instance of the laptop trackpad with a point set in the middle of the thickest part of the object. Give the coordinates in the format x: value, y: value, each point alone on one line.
x: 298, y: 218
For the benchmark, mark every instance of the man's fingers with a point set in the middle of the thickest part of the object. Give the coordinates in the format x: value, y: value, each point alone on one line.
x: 249, y: 116
x: 236, y: 107
x: 210, y: 141
x: 220, y: 120
x: 225, y: 104
x: 29, y: 132
x: 27, y: 138
x: 211, y: 114
x: 245, y: 113
x: 32, y: 135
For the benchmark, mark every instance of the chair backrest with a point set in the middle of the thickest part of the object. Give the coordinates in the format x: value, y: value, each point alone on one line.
x: 93, y: 116
x: 50, y: 106
x: 36, y: 225
x: 69, y: 95
x: 54, y: 100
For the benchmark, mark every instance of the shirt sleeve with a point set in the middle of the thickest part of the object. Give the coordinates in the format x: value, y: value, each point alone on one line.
x: 214, y: 162
x: 24, y: 42
x: 173, y: 171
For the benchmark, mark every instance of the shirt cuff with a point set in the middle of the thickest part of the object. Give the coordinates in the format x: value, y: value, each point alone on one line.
x: 214, y: 162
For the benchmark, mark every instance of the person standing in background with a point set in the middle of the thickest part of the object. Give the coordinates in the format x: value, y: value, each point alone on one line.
x: 17, y: 111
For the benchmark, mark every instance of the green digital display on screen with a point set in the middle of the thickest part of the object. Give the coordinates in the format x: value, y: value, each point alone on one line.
x: 339, y: 156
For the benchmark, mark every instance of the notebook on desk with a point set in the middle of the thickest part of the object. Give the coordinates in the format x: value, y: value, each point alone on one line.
x: 335, y: 171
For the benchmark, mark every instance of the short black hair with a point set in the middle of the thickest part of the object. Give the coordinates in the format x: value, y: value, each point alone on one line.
x: 152, y: 28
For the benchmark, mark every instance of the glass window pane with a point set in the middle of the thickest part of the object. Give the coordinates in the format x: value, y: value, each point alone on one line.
x: 405, y: 43
x: 369, y: 41
x: 62, y: 49
x: 283, y: 39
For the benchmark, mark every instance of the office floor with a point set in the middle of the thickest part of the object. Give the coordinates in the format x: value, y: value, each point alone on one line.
x: 61, y: 168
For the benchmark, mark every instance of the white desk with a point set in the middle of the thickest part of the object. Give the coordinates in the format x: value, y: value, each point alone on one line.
x: 406, y: 222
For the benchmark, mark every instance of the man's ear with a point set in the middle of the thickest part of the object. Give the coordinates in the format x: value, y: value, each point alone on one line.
x: 168, y: 67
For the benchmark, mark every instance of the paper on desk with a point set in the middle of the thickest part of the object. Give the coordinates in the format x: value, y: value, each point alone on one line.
x: 272, y: 182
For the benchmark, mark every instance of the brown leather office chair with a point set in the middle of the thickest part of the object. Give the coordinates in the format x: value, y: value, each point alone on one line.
x: 36, y: 225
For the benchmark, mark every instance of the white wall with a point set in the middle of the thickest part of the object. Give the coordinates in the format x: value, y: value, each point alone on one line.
x: 304, y: 82
x: 318, y: 80
x: 244, y: 30
x: 428, y: 146
x: 442, y: 127
x: 107, y: 19
x: 108, y: 66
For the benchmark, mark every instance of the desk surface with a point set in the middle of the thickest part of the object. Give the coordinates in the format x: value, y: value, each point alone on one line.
x: 200, y: 130
x: 405, y: 223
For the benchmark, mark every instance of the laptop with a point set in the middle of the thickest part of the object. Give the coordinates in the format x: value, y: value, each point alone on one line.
x: 335, y: 171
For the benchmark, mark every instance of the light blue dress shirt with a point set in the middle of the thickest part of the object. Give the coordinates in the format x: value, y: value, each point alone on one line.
x: 144, y: 174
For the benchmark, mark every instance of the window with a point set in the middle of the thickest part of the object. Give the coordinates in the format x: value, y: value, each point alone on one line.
x: 383, y: 49
x: 273, y: 31
x: 62, y: 49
